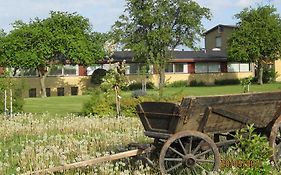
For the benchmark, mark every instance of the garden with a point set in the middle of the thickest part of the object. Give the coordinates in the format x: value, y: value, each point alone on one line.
x: 55, y: 131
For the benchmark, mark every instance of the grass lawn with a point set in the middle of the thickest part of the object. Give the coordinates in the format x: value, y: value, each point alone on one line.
x: 55, y: 105
x: 74, y: 104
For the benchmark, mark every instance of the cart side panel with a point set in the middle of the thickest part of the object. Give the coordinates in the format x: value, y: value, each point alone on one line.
x: 159, y: 117
x: 259, y: 109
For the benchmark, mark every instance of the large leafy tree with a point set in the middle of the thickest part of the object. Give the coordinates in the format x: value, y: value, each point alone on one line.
x: 154, y: 28
x: 257, y: 37
x: 62, y: 38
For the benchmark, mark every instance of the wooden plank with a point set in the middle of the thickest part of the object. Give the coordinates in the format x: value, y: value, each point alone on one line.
x: 242, y: 119
x: 87, y: 162
x: 204, y: 120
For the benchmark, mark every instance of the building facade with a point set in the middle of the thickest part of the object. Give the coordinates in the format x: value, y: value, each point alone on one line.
x: 206, y: 66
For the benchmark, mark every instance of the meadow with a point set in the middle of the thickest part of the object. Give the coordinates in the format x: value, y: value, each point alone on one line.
x: 51, y: 133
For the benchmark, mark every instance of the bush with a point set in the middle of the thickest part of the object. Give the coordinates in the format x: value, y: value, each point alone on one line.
x: 251, y: 147
x: 17, y: 93
x: 138, y: 93
x: 227, y: 82
x: 138, y: 85
x: 179, y: 83
x: 269, y: 75
x: 196, y: 83
x: 97, y: 76
x: 98, y: 105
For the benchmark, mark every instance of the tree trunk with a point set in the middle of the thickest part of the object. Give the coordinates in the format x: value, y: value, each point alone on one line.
x: 42, y: 76
x: 260, y: 73
x: 161, y: 81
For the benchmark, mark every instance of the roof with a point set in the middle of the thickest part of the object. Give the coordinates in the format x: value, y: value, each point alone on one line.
x: 177, y: 56
x: 219, y: 26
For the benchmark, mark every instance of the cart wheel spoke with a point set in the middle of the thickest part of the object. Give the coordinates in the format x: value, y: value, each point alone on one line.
x: 174, y: 150
x: 193, y: 171
x: 197, y: 148
x: 173, y: 159
x: 205, y: 161
x: 203, y: 153
x: 190, y: 145
x: 183, y: 148
x: 275, y: 142
x: 202, y: 168
x: 174, y: 167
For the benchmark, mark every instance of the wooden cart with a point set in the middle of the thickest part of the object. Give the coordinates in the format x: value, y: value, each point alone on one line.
x: 189, y: 135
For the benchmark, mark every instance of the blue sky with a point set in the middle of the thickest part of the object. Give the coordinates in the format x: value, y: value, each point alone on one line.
x: 103, y: 13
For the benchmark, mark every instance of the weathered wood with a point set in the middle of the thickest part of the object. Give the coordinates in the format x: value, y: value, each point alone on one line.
x: 204, y: 120
x: 87, y: 162
x: 236, y: 117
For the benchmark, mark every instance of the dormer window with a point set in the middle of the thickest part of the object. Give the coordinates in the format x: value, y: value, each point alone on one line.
x: 218, y: 42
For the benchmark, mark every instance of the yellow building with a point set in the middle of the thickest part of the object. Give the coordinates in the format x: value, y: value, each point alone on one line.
x: 206, y: 66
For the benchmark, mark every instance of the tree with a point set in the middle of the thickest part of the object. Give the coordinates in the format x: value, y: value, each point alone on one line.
x: 257, y: 37
x: 152, y: 29
x: 62, y: 38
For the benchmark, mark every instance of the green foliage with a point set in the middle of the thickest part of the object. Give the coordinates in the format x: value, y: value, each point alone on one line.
x: 17, y: 93
x: 257, y: 37
x: 196, y: 83
x: 246, y: 82
x: 59, y: 39
x: 269, y: 75
x: 251, y: 147
x: 227, y: 82
x: 152, y: 28
x: 97, y: 76
x: 138, y: 85
x: 98, y: 104
x: 179, y: 83
x: 138, y: 93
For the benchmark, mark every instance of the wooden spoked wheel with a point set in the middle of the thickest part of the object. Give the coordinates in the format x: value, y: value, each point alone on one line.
x: 189, y: 152
x: 275, y: 142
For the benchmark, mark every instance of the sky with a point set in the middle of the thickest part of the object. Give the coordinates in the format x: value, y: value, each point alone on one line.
x: 103, y: 13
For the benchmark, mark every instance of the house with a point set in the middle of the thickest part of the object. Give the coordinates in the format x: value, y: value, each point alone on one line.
x: 205, y: 66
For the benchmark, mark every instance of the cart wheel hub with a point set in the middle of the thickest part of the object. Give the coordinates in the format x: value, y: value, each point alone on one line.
x: 189, y: 161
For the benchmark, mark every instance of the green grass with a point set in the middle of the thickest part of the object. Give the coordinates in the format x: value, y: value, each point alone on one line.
x: 74, y: 104
x: 55, y: 105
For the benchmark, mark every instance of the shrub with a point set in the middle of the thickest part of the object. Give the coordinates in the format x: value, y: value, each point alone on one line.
x: 196, y: 83
x: 17, y: 93
x: 269, y: 75
x: 227, y: 82
x: 138, y: 85
x: 98, y: 104
x: 138, y: 93
x: 97, y: 76
x: 179, y: 83
x: 251, y: 147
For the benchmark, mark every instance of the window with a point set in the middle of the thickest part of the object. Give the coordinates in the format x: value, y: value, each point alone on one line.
x: 32, y: 92
x: 48, y: 92
x: 29, y: 72
x: 133, y: 68
x: 60, y: 91
x: 56, y: 70
x: 201, y: 67
x: 169, y: 68
x: 238, y: 67
x: 59, y: 70
x: 179, y: 67
x: 245, y: 67
x: 70, y: 70
x: 207, y: 67
x: 214, y: 67
x: 218, y: 42
x: 74, y: 90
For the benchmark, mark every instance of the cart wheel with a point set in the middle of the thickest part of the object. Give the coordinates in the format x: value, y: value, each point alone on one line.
x: 275, y: 142
x: 189, y: 152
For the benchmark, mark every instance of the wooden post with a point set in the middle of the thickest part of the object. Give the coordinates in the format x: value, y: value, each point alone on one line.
x: 87, y: 162
x: 5, y: 102
x: 11, y: 103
